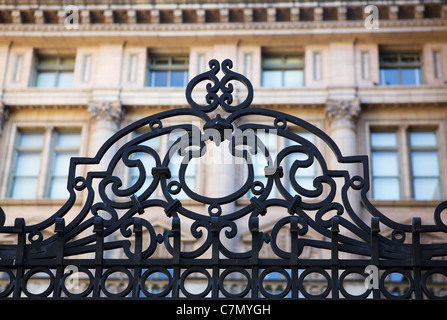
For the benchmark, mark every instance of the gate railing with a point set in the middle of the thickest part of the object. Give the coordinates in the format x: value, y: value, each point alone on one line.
x: 79, y: 258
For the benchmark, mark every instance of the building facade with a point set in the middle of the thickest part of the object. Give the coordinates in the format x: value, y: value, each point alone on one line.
x: 372, y: 75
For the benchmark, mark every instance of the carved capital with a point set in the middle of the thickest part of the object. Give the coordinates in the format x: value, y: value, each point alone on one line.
x: 344, y: 110
x: 110, y: 111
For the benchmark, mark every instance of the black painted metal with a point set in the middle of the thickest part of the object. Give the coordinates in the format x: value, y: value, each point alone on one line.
x: 56, y: 256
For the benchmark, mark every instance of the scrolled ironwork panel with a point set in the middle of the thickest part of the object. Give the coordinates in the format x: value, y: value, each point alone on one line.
x: 315, y: 246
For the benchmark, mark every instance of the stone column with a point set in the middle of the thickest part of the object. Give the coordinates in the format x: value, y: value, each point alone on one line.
x: 342, y: 117
x: 105, y: 118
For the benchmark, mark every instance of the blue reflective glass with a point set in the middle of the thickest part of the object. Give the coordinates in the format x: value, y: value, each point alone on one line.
x: 389, y: 76
x: 179, y: 78
x: 159, y: 79
x: 411, y: 76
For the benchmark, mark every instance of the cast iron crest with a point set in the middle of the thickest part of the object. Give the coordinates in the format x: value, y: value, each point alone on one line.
x: 61, y: 245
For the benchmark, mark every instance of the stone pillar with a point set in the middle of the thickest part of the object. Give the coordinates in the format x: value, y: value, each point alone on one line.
x: 105, y: 119
x: 342, y: 116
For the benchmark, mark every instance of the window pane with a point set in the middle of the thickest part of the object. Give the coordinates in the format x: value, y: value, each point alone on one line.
x: 293, y: 78
x: 424, y: 164
x: 62, y: 163
x: 28, y: 164
x: 272, y: 60
x: 58, y: 189
x: 272, y: 78
x: 295, y: 60
x: 411, y: 76
x: 24, y: 188
x: 160, y: 61
x: 423, y: 139
x: 383, y: 139
x: 390, y: 58
x: 180, y: 61
x: 65, y: 80
x: 426, y: 189
x: 386, y: 189
x: 409, y: 58
x: 47, y: 61
x: 385, y: 164
x: 389, y: 76
x: 31, y: 140
x: 179, y: 78
x: 159, y: 79
x: 68, y: 140
x: 46, y: 79
x: 67, y: 62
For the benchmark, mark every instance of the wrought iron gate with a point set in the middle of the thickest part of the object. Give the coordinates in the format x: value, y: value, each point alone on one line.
x: 71, y: 256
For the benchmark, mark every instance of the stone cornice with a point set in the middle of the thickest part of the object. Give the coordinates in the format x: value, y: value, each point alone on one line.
x: 229, y: 26
x: 163, y: 16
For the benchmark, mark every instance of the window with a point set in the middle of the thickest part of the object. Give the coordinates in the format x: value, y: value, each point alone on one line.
x: 34, y: 156
x: 400, y: 69
x: 385, y: 166
x: 388, y: 157
x: 365, y: 65
x: 425, y: 168
x: 168, y: 71
x: 283, y: 71
x: 437, y: 68
x: 317, y: 66
x: 54, y: 71
x: 27, y: 165
x: 66, y: 145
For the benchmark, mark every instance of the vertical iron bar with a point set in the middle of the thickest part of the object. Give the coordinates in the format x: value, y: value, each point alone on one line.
x: 19, y: 228
x: 375, y: 249
x: 294, y: 255
x: 254, y: 229
x: 416, y: 241
x: 138, y: 231
x: 176, y: 256
x: 215, y: 256
x: 334, y: 256
x: 59, y: 229
x: 98, y: 228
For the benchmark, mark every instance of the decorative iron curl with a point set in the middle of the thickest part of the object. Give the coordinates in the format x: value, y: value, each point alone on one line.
x: 226, y: 98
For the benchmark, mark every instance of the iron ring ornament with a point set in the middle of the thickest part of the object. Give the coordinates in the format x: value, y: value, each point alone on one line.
x: 114, y: 216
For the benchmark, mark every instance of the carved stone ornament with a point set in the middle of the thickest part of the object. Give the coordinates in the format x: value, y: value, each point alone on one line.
x: 111, y: 111
x: 347, y: 110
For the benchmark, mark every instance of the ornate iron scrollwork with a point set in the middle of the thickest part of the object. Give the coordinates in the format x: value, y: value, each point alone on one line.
x: 117, y: 217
